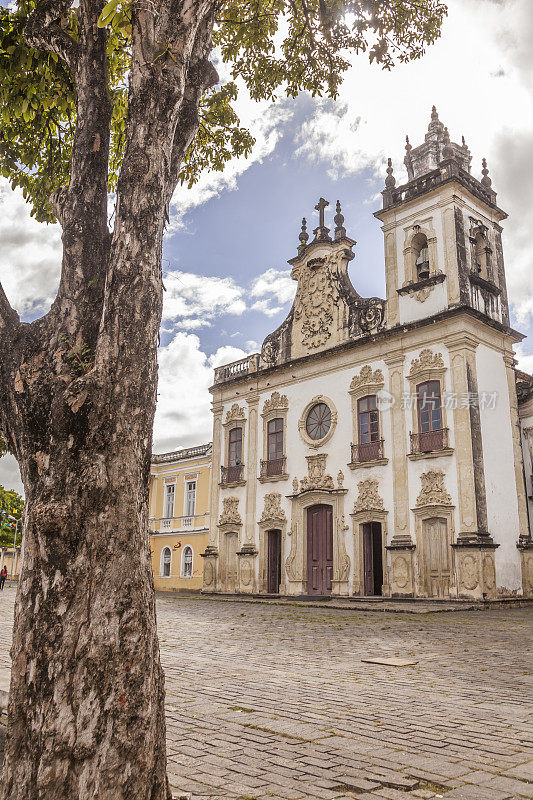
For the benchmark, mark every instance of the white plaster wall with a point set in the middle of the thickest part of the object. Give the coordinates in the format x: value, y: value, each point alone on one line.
x: 448, y: 464
x: 334, y: 386
x: 498, y: 459
x: 412, y: 309
x: 526, y: 421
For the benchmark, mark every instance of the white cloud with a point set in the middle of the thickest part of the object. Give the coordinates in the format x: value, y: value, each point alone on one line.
x: 276, y: 288
x: 183, y: 416
x: 10, y: 474
x: 192, y: 301
x: 479, y: 76
x: 30, y: 256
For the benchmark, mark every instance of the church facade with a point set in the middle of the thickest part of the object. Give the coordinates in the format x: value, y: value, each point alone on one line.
x: 373, y: 446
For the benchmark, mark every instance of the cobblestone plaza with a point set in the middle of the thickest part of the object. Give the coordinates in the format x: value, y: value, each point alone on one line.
x: 274, y: 702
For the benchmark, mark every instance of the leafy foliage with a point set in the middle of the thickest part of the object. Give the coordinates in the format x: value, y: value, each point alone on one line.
x: 272, y: 47
x: 11, y: 505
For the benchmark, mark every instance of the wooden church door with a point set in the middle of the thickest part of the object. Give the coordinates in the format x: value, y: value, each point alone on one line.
x: 319, y: 550
x: 436, y: 557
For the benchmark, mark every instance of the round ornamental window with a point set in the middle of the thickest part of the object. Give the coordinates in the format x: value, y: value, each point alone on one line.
x: 318, y: 421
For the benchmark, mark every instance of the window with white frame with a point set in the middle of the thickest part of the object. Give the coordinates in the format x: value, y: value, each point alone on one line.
x: 190, y: 499
x: 166, y: 559
x: 170, y: 491
x: 186, y: 562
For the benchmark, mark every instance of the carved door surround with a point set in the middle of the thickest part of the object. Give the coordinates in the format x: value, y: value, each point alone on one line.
x: 433, y: 502
x: 229, y: 524
x: 314, y: 490
x: 359, y: 520
x: 273, y: 518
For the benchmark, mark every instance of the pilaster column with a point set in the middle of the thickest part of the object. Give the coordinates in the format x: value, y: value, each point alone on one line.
x: 399, y: 449
x: 523, y: 525
x: 460, y: 349
x: 401, y: 547
x: 215, y: 476
x: 251, y: 471
x: 391, y: 276
x: 450, y: 258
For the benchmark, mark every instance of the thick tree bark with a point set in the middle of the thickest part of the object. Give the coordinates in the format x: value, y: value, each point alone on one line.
x: 86, y: 709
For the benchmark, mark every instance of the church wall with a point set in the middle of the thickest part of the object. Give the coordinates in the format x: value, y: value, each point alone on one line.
x: 498, y: 460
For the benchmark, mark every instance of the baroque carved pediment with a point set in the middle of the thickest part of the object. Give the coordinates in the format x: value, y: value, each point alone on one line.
x: 317, y: 478
x: 235, y: 413
x: 273, y: 510
x: 367, y: 377
x: 276, y: 401
x: 369, y: 498
x: 427, y: 360
x: 433, y: 491
x: 230, y: 512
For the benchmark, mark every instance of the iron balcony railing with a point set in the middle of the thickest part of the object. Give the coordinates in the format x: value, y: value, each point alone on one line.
x: 429, y: 441
x: 233, y: 474
x: 272, y: 467
x: 368, y: 451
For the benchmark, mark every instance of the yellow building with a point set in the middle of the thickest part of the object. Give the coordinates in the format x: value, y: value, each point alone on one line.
x: 179, y: 517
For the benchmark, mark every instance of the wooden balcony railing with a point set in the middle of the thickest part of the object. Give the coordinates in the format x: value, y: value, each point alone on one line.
x: 369, y: 451
x: 429, y: 441
x: 273, y: 467
x: 233, y: 474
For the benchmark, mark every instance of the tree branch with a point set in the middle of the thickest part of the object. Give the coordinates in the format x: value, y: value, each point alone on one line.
x: 44, y: 31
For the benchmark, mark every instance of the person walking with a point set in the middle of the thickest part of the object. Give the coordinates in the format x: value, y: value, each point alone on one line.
x: 3, y: 576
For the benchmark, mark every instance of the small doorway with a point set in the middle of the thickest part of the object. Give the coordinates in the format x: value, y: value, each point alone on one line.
x: 319, y: 549
x: 372, y: 559
x: 273, y: 561
x: 437, y: 557
x: 232, y: 545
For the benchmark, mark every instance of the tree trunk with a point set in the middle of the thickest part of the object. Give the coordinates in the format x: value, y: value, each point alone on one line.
x: 77, y: 401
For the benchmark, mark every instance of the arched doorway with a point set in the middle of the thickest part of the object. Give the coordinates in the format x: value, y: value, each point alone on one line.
x: 319, y: 549
x: 273, y: 561
x: 372, y: 559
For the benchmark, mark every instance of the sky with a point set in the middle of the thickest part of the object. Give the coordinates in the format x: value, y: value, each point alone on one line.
x: 226, y: 248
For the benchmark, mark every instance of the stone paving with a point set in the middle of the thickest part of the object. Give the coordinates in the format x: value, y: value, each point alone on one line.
x: 273, y: 701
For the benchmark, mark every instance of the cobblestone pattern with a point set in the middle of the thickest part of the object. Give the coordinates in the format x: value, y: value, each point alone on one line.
x: 274, y: 703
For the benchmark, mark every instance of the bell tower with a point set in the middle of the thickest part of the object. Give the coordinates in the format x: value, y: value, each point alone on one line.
x: 443, y: 247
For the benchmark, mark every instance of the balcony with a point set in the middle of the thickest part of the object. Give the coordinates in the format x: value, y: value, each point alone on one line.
x: 273, y: 468
x: 430, y: 442
x: 230, y: 476
x: 178, y: 524
x: 369, y: 451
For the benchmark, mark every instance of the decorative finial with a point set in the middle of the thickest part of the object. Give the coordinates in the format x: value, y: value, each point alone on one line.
x: 390, y: 180
x: 408, y: 145
x: 447, y: 151
x: 304, y: 236
x: 321, y: 233
x: 485, y: 180
x: 434, y: 115
x: 463, y: 141
x: 340, y: 230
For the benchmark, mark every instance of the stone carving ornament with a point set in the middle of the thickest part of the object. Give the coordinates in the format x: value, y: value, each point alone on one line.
x: 367, y: 377
x: 273, y: 509
x: 433, y: 491
x: 276, y: 401
x: 369, y: 499
x: 315, y: 301
x: 342, y: 561
x: 317, y: 477
x: 371, y: 316
x: 230, y: 512
x: 427, y: 360
x: 236, y: 412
